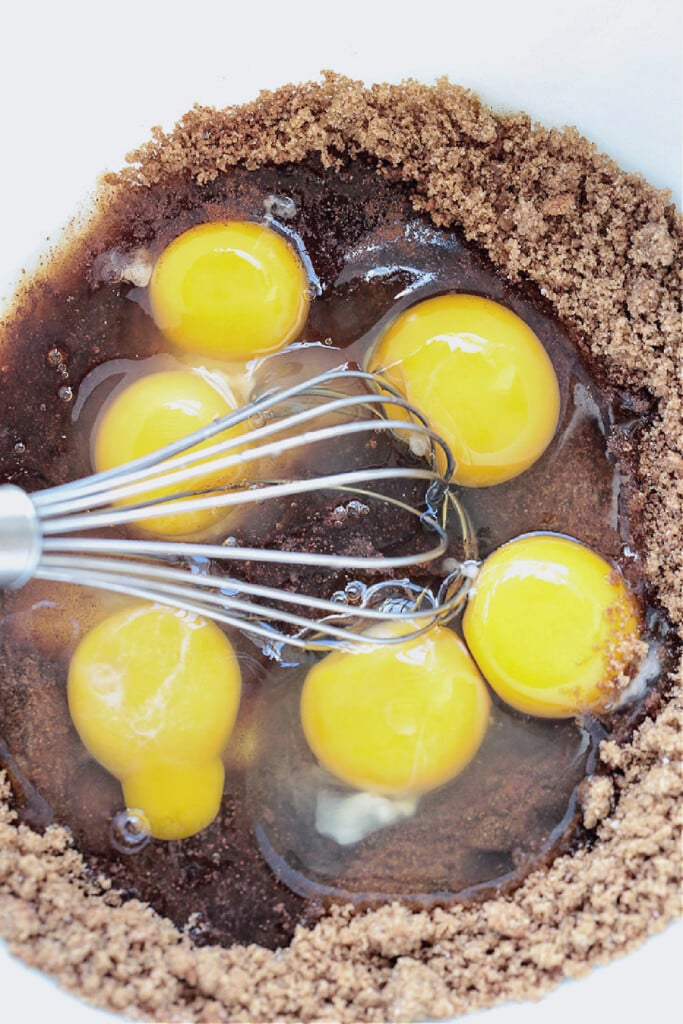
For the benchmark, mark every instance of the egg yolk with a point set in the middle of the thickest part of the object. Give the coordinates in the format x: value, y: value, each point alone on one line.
x: 177, y: 800
x: 233, y: 290
x: 153, y: 694
x: 552, y: 626
x: 482, y: 379
x: 155, y: 411
x: 396, y: 719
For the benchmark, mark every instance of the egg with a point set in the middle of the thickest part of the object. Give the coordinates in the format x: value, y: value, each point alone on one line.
x: 153, y: 694
x: 176, y: 800
x: 232, y: 289
x: 480, y: 376
x: 396, y: 719
x: 552, y: 626
x: 154, y: 411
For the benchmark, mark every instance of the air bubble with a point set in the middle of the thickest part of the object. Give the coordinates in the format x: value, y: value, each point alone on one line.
x: 281, y: 207
x: 353, y: 509
x: 397, y: 606
x: 399, y: 597
x: 129, y: 831
x: 114, y: 267
x: 338, y: 516
x: 55, y: 357
x: 357, y: 508
x: 355, y: 592
x: 20, y: 448
x: 66, y: 393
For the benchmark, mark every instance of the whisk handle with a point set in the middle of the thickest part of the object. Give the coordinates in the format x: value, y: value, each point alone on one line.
x: 20, y: 537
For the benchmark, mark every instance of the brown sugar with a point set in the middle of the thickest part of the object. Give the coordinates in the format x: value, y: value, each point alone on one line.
x: 605, y: 249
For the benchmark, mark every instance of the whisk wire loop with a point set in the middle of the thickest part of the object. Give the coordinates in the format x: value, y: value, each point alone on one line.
x: 189, y: 459
x: 190, y: 574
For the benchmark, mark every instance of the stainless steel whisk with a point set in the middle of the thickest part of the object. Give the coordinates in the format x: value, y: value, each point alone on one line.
x: 41, y: 533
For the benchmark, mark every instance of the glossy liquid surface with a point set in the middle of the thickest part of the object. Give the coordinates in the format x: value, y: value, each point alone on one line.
x: 267, y: 862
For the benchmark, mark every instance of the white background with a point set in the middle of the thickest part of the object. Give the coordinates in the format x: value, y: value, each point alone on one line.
x: 81, y: 84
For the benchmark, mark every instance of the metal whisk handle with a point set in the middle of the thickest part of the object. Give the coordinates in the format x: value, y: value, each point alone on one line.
x: 20, y: 537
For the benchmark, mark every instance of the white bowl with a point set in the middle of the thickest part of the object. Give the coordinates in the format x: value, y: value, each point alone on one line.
x: 81, y: 84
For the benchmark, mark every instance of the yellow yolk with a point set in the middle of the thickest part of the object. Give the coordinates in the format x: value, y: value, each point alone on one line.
x: 155, y: 411
x: 234, y: 290
x: 153, y: 694
x: 396, y: 719
x: 177, y: 800
x: 552, y: 626
x: 482, y: 379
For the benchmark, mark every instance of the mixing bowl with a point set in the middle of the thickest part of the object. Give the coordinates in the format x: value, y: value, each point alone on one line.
x: 81, y: 85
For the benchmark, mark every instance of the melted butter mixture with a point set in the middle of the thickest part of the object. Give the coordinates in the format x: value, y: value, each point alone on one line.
x: 303, y: 782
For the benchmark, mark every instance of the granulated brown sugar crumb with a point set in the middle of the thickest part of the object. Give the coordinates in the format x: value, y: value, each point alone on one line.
x: 596, y: 794
x: 605, y: 248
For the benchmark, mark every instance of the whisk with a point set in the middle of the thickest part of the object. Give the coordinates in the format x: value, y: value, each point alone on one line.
x: 41, y: 534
